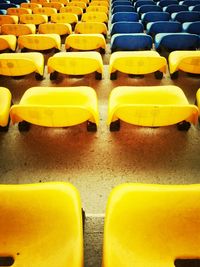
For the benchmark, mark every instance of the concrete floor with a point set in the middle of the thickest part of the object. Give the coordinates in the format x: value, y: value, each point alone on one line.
x: 97, y: 162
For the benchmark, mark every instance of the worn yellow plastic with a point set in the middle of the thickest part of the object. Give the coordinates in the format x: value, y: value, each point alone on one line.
x: 40, y: 41
x: 58, y: 28
x: 95, y: 17
x: 65, y: 2
x: 137, y: 62
x: 5, y: 102
x: 72, y: 9
x: 8, y: 42
x: 75, y: 63
x: 65, y: 18
x: 45, y: 219
x: 55, y: 5
x: 151, y: 225
x: 99, y: 3
x: 188, y: 61
x: 97, y: 9
x: 8, y: 19
x: 18, y: 29
x: 78, y: 3
x: 85, y: 41
x: 198, y: 99
x: 151, y: 106
x: 91, y: 27
x: 45, y: 11
x: 35, y: 19
x: 18, y: 11
x: 39, y: 1
x: 17, y: 64
x: 57, y: 106
x: 30, y: 5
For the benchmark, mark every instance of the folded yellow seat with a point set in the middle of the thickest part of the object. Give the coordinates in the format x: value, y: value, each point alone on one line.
x: 33, y: 207
x: 45, y: 11
x: 30, y: 5
x: 187, y: 61
x: 35, y: 19
x: 39, y: 41
x: 64, y: 17
x: 18, y: 11
x: 97, y: 9
x: 95, y: 17
x: 58, y: 28
x: 57, y: 107
x: 18, y: 29
x: 19, y: 64
x: 99, y: 3
x: 75, y: 63
x: 152, y: 225
x: 5, y: 103
x: 89, y: 41
x: 91, y: 27
x: 78, y: 3
x: 8, y: 42
x: 8, y: 19
x: 151, y: 106
x: 137, y: 62
x: 72, y: 9
x: 55, y: 5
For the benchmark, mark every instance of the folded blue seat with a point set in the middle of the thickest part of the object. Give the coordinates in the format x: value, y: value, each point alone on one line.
x: 177, y: 41
x: 124, y: 3
x: 131, y: 42
x: 190, y: 2
x: 124, y: 16
x: 123, y: 8
x: 175, y: 8
x: 186, y: 16
x: 144, y: 2
x: 6, y: 5
x: 148, y: 8
x: 3, y: 11
x: 154, y: 16
x: 156, y: 27
x: 126, y: 27
x: 194, y: 8
x: 192, y: 27
x: 164, y: 3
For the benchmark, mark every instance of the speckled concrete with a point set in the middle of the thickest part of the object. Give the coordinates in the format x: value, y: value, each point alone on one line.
x: 97, y: 162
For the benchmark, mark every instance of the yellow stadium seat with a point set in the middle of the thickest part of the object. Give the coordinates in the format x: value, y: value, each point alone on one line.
x: 84, y: 1
x: 72, y: 9
x: 55, y: 5
x: 39, y: 1
x: 8, y: 19
x: 39, y: 42
x: 137, y: 62
x: 57, y: 107
x: 89, y: 41
x: 91, y: 27
x: 97, y: 9
x: 188, y: 61
x: 64, y: 18
x: 35, y: 19
x: 198, y: 100
x: 65, y: 2
x: 58, y: 28
x: 95, y: 17
x: 30, y: 5
x: 44, y: 218
x: 45, y: 11
x: 18, y: 11
x: 152, y: 225
x: 8, y: 42
x: 99, y: 3
x: 19, y: 64
x: 75, y: 63
x: 18, y: 29
x: 78, y: 3
x: 151, y: 106
x: 5, y: 103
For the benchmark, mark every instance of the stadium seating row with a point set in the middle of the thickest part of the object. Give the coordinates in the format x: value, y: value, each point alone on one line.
x: 139, y: 220
x: 151, y: 106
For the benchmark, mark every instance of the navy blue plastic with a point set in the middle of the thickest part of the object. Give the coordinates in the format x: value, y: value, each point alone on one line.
x: 155, y: 16
x: 6, y: 6
x: 3, y: 11
x: 186, y: 16
x: 124, y: 3
x: 122, y: 8
x: 144, y: 2
x: 20, y: 1
x: 191, y: 2
x: 125, y: 16
x: 148, y: 8
x: 164, y: 3
x: 175, y: 8
x: 192, y: 27
x: 196, y: 8
x: 163, y: 27
x: 126, y: 27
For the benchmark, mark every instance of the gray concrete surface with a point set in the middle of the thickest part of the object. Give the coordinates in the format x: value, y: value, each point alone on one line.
x: 97, y: 162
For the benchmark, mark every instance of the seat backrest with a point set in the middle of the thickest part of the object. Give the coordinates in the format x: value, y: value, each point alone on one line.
x: 175, y: 8
x: 33, y: 18
x: 164, y: 3
x: 126, y: 27
x: 192, y: 27
x: 143, y: 2
x: 191, y: 2
x: 95, y: 17
x: 155, y: 16
x: 8, y: 19
x: 151, y: 225
x: 186, y: 16
x: 148, y: 8
x: 123, y: 8
x: 163, y: 27
x: 91, y: 27
x: 124, y: 16
x: 64, y: 17
x: 57, y: 28
x: 45, y: 10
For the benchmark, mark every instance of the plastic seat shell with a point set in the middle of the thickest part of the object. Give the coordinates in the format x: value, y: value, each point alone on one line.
x: 5, y: 103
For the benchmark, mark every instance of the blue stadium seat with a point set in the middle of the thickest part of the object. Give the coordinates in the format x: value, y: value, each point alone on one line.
x: 155, y: 16
x: 124, y: 16
x: 3, y: 11
x: 20, y: 1
x: 164, y: 3
x: 130, y: 42
x: 126, y: 27
x: 190, y: 2
x: 6, y: 6
x: 186, y: 16
x: 118, y: 3
x: 192, y: 27
x: 156, y: 27
x: 144, y: 2
x: 5, y: 1
x: 175, y: 8
x: 123, y: 8
x: 177, y: 41
x: 148, y: 8
x: 194, y: 8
